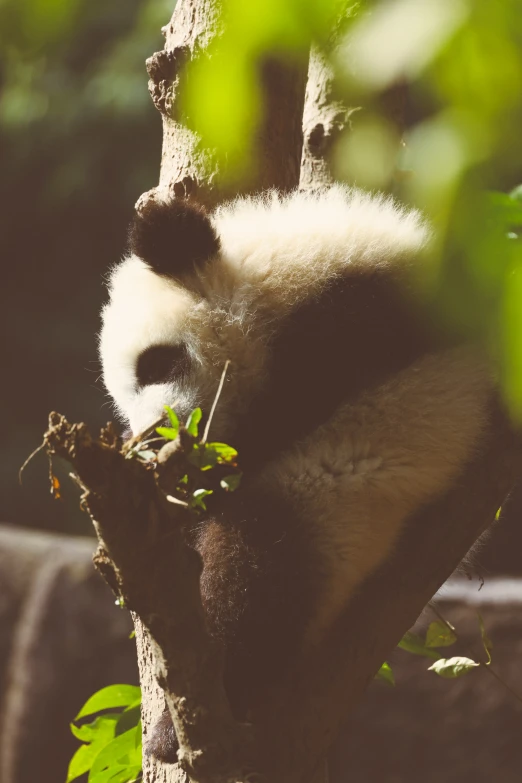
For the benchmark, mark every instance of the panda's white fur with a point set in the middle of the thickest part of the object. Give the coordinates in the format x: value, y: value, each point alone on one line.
x: 355, y: 479
x: 373, y: 464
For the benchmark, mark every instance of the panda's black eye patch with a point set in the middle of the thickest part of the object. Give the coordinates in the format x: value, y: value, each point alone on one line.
x: 161, y: 363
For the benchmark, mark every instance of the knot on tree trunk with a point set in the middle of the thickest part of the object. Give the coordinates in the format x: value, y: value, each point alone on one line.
x: 164, y: 68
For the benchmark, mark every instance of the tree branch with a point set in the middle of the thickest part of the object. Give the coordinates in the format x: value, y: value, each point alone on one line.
x: 143, y: 556
x: 187, y: 170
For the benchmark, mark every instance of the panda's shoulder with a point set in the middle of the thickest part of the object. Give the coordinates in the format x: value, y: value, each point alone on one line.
x: 299, y: 240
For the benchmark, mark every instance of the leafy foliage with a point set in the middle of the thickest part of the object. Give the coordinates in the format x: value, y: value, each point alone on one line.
x: 192, y: 424
x: 199, y: 457
x: 441, y: 633
x: 71, y: 66
x: 412, y: 643
x: 111, y: 749
x: 112, y: 696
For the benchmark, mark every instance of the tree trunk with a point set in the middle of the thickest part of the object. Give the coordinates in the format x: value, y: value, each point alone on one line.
x: 186, y: 170
x: 324, y: 119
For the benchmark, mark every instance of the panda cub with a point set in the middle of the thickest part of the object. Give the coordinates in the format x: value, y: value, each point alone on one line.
x: 349, y: 411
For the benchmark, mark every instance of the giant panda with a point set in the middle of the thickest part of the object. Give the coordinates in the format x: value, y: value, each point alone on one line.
x: 349, y: 409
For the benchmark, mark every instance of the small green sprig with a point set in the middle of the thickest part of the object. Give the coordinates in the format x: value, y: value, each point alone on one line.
x: 196, y: 453
x: 200, y: 457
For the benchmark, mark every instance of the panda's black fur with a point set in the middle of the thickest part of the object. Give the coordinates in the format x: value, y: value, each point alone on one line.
x: 348, y: 409
x: 173, y: 236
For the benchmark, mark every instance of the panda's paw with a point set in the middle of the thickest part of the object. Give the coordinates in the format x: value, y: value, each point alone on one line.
x: 163, y: 744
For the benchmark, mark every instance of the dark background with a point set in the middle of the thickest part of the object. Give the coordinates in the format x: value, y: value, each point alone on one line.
x: 79, y: 142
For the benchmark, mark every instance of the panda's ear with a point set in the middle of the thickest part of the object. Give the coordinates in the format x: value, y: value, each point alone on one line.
x: 172, y: 236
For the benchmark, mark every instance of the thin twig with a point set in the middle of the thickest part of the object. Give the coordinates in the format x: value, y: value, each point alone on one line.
x: 79, y: 483
x: 143, y: 443
x: 29, y: 458
x: 137, y: 439
x: 178, y: 502
x: 492, y: 671
x: 216, y: 400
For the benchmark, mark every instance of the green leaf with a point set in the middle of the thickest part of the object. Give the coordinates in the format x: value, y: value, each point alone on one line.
x: 222, y: 451
x: 102, y: 728
x: 450, y: 668
x: 128, y: 719
x: 385, y: 674
x: 412, y: 643
x: 169, y: 433
x: 138, y: 734
x: 174, y: 421
x: 118, y: 774
x: 99, y: 733
x: 486, y: 641
x: 499, y: 512
x: 193, y: 422
x: 118, y: 751
x: 198, y: 498
x: 147, y: 455
x: 201, y: 458
x: 209, y: 455
x: 82, y: 761
x: 107, y: 698
x: 440, y: 635
x: 231, y: 483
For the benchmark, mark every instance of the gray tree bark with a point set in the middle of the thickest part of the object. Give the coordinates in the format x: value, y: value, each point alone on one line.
x: 325, y: 117
x: 187, y: 170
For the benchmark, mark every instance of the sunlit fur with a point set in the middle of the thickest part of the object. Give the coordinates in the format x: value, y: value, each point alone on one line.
x: 354, y: 480
x: 275, y: 253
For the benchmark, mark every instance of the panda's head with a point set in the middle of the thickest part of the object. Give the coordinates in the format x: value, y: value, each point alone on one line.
x: 281, y: 287
x: 173, y: 321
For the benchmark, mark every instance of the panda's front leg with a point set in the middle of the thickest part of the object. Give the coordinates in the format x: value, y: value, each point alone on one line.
x: 259, y: 589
